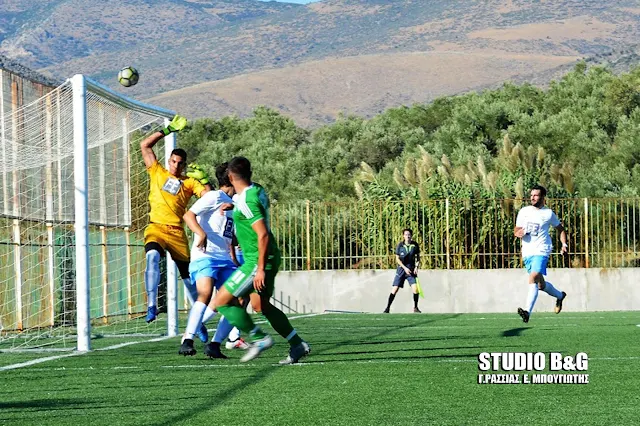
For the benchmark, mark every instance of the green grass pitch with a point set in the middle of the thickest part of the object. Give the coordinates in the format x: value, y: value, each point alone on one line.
x: 405, y: 369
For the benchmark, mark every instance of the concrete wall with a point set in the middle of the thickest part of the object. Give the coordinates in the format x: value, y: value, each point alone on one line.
x: 459, y: 291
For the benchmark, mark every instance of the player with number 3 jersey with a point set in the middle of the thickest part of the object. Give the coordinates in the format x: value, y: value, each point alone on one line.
x: 212, y: 260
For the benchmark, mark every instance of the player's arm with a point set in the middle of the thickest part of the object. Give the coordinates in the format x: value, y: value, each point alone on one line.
x: 232, y: 250
x: 260, y: 228
x: 555, y: 222
x: 225, y: 207
x: 563, y: 238
x: 402, y: 265
x: 191, y: 221
x: 415, y: 272
x: 146, y: 146
x: 200, y: 183
x: 518, y: 230
x: 190, y: 218
x: 203, y: 190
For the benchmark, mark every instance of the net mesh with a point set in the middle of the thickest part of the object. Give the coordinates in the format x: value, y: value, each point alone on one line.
x: 37, y: 251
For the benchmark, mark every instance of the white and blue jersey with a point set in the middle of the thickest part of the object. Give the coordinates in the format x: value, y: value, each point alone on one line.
x: 215, y: 260
x: 536, y: 242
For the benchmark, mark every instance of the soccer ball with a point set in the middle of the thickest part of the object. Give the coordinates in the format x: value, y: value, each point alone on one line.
x: 128, y: 76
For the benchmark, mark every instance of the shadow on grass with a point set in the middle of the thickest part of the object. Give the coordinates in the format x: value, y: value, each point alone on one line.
x: 224, y: 395
x: 513, y: 332
x: 422, y: 339
x: 42, y: 404
x: 382, y: 351
x: 398, y: 359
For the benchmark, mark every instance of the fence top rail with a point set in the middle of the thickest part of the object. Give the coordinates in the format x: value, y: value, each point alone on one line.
x: 348, y: 203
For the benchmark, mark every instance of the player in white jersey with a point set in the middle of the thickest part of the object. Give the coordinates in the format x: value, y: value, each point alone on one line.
x: 213, y: 260
x: 532, y: 226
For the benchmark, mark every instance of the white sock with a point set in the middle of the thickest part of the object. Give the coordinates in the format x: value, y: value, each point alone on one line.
x: 531, y: 297
x: 195, y: 319
x: 208, y: 314
x: 551, y: 290
x: 234, y: 334
x: 192, y: 291
x: 224, y: 327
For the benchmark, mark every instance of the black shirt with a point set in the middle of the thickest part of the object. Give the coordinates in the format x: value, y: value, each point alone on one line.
x: 409, y: 254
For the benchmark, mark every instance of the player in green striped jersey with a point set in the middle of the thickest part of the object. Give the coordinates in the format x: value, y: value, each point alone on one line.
x: 256, y: 277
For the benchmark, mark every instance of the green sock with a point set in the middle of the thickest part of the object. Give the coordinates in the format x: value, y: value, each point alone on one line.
x: 238, y: 317
x: 281, y: 324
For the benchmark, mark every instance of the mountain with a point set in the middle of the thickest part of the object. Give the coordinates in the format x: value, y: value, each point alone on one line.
x: 218, y: 57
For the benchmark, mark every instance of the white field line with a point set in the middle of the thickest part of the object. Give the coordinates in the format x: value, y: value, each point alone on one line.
x: 311, y: 364
x: 108, y: 348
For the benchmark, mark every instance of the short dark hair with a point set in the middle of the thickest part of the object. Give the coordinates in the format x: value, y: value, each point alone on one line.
x: 241, y: 167
x: 542, y: 189
x: 407, y: 229
x: 180, y: 153
x: 222, y: 175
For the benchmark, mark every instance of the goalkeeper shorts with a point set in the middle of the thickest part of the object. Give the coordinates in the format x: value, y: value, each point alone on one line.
x: 171, y: 238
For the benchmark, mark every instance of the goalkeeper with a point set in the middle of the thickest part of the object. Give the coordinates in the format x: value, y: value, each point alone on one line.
x: 169, y: 193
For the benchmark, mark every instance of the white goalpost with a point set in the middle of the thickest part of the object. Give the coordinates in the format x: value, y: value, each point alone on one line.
x: 72, y: 211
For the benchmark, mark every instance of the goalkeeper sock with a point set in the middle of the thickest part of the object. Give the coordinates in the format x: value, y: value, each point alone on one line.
x: 391, y: 297
x: 238, y: 317
x: 223, y: 330
x: 415, y: 299
x: 152, y: 276
x: 281, y: 324
x: 192, y: 291
x: 195, y: 319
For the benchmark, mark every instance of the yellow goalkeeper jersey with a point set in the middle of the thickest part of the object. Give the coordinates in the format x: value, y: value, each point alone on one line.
x: 169, y: 195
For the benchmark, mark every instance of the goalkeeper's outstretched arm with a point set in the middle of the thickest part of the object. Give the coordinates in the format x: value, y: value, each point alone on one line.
x: 146, y: 146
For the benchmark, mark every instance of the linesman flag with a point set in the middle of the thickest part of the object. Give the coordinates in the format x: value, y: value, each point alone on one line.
x: 420, y: 292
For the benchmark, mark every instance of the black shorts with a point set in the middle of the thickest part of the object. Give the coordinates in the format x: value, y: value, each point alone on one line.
x: 401, y: 276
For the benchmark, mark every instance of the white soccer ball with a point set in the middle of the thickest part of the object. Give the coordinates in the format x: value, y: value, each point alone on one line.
x: 128, y: 76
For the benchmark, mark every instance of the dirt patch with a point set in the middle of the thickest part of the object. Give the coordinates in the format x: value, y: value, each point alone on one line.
x: 582, y: 27
x: 428, y: 27
x: 632, y: 10
x: 314, y: 93
x: 353, y: 10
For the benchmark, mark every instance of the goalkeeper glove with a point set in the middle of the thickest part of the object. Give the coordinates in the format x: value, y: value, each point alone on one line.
x: 176, y: 125
x: 196, y: 172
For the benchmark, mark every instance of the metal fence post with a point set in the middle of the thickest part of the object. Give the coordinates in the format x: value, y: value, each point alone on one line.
x: 308, y: 236
x: 448, y: 241
x: 586, y: 232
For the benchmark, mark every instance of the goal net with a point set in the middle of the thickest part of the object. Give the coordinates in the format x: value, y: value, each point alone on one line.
x: 73, y: 208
